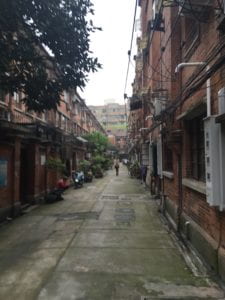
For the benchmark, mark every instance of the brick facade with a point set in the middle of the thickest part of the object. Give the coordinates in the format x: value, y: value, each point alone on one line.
x: 28, y: 140
x: 172, y: 39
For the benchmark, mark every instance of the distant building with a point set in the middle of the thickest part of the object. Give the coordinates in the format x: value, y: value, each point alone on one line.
x: 109, y: 101
x: 112, y: 117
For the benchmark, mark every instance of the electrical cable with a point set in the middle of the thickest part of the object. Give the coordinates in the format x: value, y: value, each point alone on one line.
x: 131, y: 43
x: 179, y: 100
x: 147, y: 77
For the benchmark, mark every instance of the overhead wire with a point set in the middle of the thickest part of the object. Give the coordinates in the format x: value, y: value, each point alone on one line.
x: 147, y: 77
x: 199, y: 82
x: 131, y: 44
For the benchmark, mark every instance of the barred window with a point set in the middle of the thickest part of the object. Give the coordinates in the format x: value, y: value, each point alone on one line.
x: 197, y: 148
x: 168, y: 159
x: 192, y: 36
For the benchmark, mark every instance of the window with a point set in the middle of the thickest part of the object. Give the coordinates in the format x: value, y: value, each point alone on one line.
x: 2, y: 95
x: 192, y: 36
x: 197, y: 148
x: 168, y: 159
x: 17, y: 98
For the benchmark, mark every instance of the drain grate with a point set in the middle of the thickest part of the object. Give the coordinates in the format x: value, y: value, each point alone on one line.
x: 124, y: 215
x: 90, y: 215
x: 125, y: 210
x: 110, y: 197
x: 124, y: 203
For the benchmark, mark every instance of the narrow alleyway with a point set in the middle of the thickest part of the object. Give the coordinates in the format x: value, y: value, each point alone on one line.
x: 105, y: 241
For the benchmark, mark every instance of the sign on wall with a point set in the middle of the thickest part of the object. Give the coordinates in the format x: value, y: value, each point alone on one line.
x: 43, y: 160
x: 3, y: 172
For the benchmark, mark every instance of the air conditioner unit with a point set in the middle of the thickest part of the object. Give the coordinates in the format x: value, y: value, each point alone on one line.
x: 221, y: 101
x: 214, y: 162
x: 192, y: 7
x: 157, y: 22
x: 156, y: 8
x: 159, y: 106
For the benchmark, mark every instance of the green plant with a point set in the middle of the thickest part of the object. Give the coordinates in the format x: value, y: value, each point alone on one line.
x: 56, y: 164
x: 84, y: 165
x: 107, y: 163
x: 97, y: 171
x: 98, y: 160
x: 97, y: 143
x: 61, y: 27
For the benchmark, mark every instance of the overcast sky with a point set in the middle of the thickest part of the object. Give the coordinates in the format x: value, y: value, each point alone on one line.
x: 111, y: 46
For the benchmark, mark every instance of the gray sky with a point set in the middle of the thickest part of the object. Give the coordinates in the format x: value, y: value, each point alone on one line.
x: 111, y: 46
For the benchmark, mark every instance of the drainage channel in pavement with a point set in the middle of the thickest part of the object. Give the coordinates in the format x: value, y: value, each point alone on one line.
x: 90, y: 215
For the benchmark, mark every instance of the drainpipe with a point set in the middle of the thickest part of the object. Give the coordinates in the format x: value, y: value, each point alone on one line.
x: 208, y: 102
x: 208, y: 94
x: 189, y: 64
x: 162, y: 196
x: 208, y: 82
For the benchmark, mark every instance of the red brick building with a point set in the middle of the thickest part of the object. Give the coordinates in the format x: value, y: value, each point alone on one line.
x: 29, y: 140
x: 180, y: 88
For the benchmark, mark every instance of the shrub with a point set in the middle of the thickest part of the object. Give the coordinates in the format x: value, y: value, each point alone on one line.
x: 84, y: 165
x: 97, y: 171
x: 56, y: 164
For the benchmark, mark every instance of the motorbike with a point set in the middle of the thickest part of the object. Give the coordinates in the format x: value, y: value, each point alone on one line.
x: 78, y: 179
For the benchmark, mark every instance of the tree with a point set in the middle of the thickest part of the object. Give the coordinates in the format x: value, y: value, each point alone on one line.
x: 97, y: 142
x: 44, y: 46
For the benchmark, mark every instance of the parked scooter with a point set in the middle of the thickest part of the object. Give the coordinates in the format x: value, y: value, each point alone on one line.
x: 78, y: 179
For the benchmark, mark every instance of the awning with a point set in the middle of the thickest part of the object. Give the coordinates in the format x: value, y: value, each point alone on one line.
x: 79, y: 138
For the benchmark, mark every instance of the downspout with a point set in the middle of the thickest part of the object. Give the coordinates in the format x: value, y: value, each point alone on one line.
x: 208, y: 93
x: 189, y: 64
x: 163, y: 196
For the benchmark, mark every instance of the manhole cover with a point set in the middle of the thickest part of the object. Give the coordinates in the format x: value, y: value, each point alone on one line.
x: 78, y: 216
x: 124, y: 203
x: 125, y: 215
x: 110, y: 197
x: 125, y: 210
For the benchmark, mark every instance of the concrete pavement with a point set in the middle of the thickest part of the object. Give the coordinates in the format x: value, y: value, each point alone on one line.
x: 105, y: 241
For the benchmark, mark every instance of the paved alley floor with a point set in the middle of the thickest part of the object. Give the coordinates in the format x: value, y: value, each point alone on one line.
x: 105, y: 241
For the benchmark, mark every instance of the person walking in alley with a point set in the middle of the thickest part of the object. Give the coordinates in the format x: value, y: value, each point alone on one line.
x: 117, y: 166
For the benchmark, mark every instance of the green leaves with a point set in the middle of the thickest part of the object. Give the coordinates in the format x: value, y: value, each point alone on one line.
x: 27, y: 29
x: 97, y: 142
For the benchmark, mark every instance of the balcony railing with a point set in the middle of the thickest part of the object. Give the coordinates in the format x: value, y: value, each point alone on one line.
x: 21, y: 117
